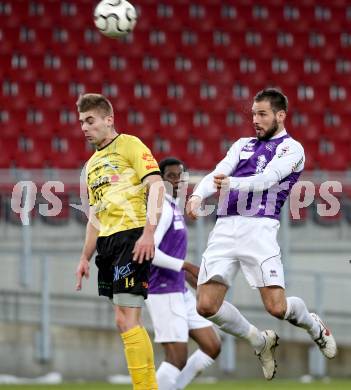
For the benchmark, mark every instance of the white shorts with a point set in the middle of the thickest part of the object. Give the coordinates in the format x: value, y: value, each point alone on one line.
x: 243, y: 242
x: 173, y: 315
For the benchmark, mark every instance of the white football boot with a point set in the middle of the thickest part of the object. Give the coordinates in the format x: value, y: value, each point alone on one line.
x: 326, y: 342
x: 266, y: 356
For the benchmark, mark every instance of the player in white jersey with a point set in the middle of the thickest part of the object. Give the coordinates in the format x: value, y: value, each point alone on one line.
x: 254, y: 180
x: 171, y: 305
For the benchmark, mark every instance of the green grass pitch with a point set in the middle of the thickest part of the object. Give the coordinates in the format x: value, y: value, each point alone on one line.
x: 233, y: 385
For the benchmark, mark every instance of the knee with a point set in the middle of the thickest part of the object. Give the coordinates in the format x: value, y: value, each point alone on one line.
x: 120, y: 324
x: 217, y: 349
x: 123, y: 323
x: 214, y: 349
x: 176, y: 358
x: 179, y: 362
x: 276, y: 310
x: 206, y: 308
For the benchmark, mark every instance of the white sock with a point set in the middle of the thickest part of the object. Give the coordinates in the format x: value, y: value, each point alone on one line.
x: 231, y: 321
x: 167, y: 375
x: 196, y: 363
x: 298, y: 315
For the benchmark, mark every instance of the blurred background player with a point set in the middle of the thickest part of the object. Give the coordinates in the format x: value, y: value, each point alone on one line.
x: 120, y: 229
x: 171, y: 305
x: 267, y: 165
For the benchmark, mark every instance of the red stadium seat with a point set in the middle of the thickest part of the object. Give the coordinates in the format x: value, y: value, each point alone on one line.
x: 181, y: 97
x: 9, y: 122
x: 340, y: 133
x: 12, y: 13
x: 295, y: 18
x: 326, y: 17
x: 20, y: 39
x: 66, y: 160
x: 196, y: 16
x: 205, y: 127
x: 228, y: 18
x: 132, y: 45
x: 261, y: 17
x: 161, y: 16
x: 311, y: 153
x: 54, y: 71
x: 74, y: 15
x: 173, y: 148
x: 207, y: 157
x: 34, y: 159
x: 334, y: 156
x: 8, y: 149
x: 178, y: 133
x: 305, y: 126
x: 20, y: 66
x: 210, y: 56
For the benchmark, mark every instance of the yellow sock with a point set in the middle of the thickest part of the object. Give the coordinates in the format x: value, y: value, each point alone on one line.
x: 150, y: 362
x: 137, y: 353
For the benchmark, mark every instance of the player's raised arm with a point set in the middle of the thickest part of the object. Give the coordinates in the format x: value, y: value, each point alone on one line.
x: 289, y: 158
x: 206, y: 186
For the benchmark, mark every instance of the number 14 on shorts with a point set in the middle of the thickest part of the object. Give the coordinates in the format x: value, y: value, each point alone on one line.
x: 129, y: 282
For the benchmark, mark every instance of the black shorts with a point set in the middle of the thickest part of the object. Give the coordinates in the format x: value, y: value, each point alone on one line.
x: 117, y: 272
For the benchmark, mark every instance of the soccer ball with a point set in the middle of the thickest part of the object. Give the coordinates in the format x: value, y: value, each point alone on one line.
x: 115, y: 18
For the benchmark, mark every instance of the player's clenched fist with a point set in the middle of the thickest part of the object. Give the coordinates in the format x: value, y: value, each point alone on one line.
x: 193, y: 205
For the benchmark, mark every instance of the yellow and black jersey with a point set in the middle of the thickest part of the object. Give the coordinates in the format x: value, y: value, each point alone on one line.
x: 114, y: 179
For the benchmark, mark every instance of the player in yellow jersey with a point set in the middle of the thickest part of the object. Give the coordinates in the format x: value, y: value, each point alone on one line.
x: 122, y: 176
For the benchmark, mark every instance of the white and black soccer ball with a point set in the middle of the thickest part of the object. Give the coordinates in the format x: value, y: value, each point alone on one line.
x: 115, y: 18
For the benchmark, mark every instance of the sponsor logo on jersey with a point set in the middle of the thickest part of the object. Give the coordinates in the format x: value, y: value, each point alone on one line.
x: 148, y: 157
x: 100, y: 182
x: 152, y: 166
x: 109, y: 164
x: 270, y: 147
x: 283, y: 151
x: 114, y: 178
x: 245, y: 155
x: 249, y: 146
x: 296, y: 165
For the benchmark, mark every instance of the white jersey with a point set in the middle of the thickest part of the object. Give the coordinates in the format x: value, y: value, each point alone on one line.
x: 263, y: 170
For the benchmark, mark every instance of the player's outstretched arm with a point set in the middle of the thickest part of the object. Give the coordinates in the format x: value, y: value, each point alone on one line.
x: 91, y: 236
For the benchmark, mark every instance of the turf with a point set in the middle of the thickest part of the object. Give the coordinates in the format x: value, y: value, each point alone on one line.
x: 233, y: 385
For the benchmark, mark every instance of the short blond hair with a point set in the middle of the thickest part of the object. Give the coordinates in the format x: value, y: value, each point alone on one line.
x: 94, y: 101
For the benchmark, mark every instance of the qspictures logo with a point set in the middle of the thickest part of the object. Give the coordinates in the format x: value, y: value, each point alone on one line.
x: 324, y: 196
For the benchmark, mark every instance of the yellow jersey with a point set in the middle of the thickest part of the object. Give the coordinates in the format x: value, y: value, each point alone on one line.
x: 114, y: 177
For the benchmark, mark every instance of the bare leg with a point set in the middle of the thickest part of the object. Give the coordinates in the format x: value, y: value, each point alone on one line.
x: 294, y: 310
x: 211, y: 304
x: 202, y: 358
x: 208, y: 341
x: 137, y: 348
x: 176, y: 354
x: 175, y: 359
